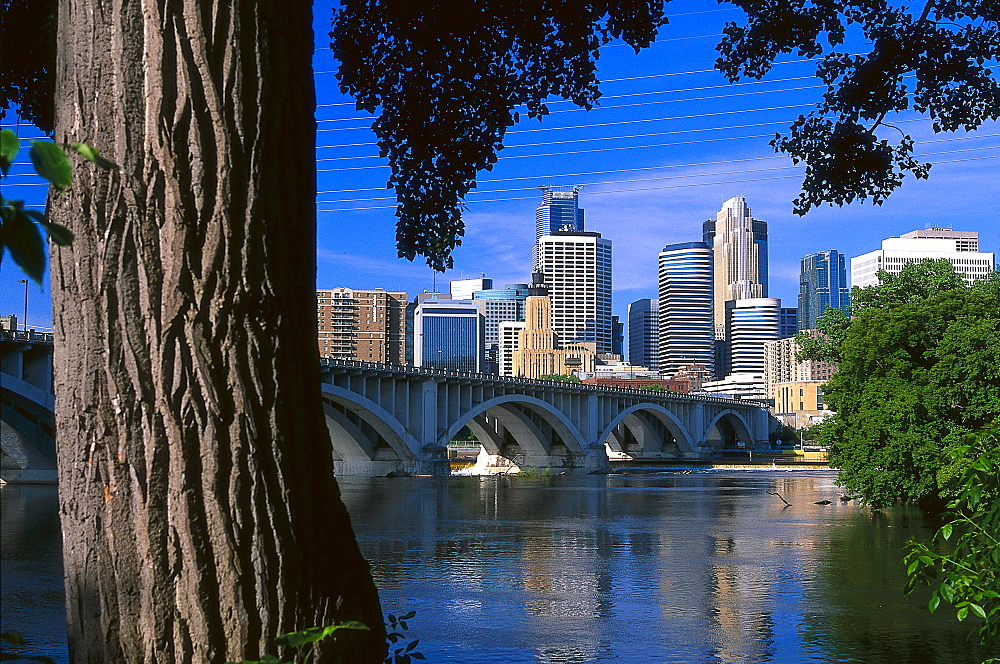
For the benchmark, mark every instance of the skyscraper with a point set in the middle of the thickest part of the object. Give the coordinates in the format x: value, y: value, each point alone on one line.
x: 739, y: 245
x: 539, y: 351
x: 686, y: 334
x: 577, y: 269
x: 960, y: 248
x: 788, y: 322
x: 644, y: 333
x: 559, y: 210
x: 751, y: 323
x: 822, y: 284
x: 617, y: 337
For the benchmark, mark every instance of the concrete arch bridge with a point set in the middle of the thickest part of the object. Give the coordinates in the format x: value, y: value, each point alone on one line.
x: 385, y: 418
x: 27, y: 422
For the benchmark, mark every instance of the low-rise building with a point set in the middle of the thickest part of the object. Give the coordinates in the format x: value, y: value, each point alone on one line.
x: 799, y: 403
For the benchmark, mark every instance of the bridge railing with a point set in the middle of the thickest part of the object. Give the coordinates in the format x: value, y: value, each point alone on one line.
x: 513, y: 381
x: 29, y: 336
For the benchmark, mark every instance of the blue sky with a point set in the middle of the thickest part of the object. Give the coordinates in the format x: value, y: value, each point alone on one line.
x: 669, y: 143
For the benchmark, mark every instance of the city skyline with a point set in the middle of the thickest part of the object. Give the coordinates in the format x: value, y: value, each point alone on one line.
x: 713, y: 147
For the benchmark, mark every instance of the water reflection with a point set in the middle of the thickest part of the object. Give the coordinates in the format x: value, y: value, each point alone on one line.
x: 704, y: 567
x: 686, y: 569
x: 31, y: 579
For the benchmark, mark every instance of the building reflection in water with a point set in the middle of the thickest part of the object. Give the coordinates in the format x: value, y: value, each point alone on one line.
x: 704, y: 567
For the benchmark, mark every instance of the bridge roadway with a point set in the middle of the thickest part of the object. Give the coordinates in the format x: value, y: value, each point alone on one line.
x: 390, y: 418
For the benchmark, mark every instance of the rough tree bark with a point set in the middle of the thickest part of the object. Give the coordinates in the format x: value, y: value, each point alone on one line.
x: 200, y: 513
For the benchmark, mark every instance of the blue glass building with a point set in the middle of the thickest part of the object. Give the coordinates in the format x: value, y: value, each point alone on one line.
x: 448, y: 334
x: 788, y: 322
x: 644, y: 332
x: 559, y: 210
x: 822, y: 285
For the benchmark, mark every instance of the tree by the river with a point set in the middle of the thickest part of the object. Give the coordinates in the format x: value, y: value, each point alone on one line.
x: 918, y: 370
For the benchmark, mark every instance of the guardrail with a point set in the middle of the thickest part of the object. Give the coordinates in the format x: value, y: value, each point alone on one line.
x: 29, y: 336
x: 412, y: 370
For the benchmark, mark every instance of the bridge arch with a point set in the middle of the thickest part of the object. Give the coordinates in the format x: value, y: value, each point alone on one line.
x: 352, y: 444
x: 27, y: 432
x: 525, y: 432
x: 670, y: 421
x: 733, y: 418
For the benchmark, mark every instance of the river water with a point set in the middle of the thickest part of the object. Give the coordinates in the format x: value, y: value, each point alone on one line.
x: 650, y: 567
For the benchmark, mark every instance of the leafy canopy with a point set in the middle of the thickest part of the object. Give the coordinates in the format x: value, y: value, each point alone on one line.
x: 445, y: 90
x: 28, y: 60
x: 446, y: 78
x: 918, y: 370
x: 931, y: 57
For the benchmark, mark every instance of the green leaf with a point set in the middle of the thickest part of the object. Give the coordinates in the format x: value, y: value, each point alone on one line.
x: 413, y: 644
x: 978, y: 610
x: 962, y: 613
x: 313, y: 634
x: 269, y: 659
x: 59, y: 234
x: 51, y: 163
x: 91, y: 154
x: 933, y: 604
x: 946, y: 531
x: 10, y: 145
x: 25, y: 244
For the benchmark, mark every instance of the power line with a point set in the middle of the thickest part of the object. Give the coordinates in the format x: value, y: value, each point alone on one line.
x: 677, y: 117
x: 632, y: 94
x: 591, y: 184
x: 573, y: 110
x: 674, y: 177
x: 610, y: 80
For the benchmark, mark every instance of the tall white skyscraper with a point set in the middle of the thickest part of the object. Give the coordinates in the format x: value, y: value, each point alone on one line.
x: 577, y: 269
x: 739, y: 246
x: 960, y: 248
x: 685, y: 308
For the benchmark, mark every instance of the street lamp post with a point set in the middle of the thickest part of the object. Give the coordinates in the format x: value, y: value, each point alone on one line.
x: 25, y: 320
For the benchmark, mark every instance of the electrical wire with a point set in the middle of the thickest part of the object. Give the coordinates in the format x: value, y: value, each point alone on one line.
x: 610, y: 191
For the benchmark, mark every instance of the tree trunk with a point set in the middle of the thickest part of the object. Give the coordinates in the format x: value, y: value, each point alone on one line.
x: 199, y: 509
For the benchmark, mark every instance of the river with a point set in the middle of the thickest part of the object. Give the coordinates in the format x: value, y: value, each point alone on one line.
x: 647, y: 567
